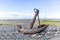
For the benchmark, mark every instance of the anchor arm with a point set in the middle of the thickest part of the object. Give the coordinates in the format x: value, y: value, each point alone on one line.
x: 34, y: 18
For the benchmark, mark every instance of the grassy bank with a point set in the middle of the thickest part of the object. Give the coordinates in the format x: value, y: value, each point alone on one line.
x: 10, y: 23
x: 50, y: 22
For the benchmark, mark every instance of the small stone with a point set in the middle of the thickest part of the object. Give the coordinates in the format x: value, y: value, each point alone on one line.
x: 34, y: 35
x: 55, y: 38
x: 47, y: 36
x: 39, y: 36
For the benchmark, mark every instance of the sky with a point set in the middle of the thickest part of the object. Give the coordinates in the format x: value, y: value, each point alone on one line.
x: 24, y: 9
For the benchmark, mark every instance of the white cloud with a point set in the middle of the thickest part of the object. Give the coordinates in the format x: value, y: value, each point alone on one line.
x: 17, y: 15
x: 53, y: 15
x: 25, y: 15
x: 8, y: 15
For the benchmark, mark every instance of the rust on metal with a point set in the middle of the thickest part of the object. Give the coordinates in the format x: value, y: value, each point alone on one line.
x: 31, y: 31
x: 34, y: 18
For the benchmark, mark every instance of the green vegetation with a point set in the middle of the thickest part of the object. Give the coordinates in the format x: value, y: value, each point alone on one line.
x: 10, y: 23
x: 50, y: 22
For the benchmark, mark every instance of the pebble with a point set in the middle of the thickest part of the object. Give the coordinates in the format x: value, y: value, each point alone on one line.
x: 39, y: 36
x: 11, y: 33
x: 55, y: 38
x: 34, y: 35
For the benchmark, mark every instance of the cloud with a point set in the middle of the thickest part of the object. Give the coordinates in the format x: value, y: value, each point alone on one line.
x: 8, y: 15
x: 17, y: 15
x: 25, y: 15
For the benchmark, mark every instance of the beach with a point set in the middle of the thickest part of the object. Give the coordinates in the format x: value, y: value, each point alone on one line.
x: 8, y: 32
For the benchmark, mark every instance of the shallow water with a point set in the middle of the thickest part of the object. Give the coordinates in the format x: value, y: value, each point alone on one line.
x: 8, y: 32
